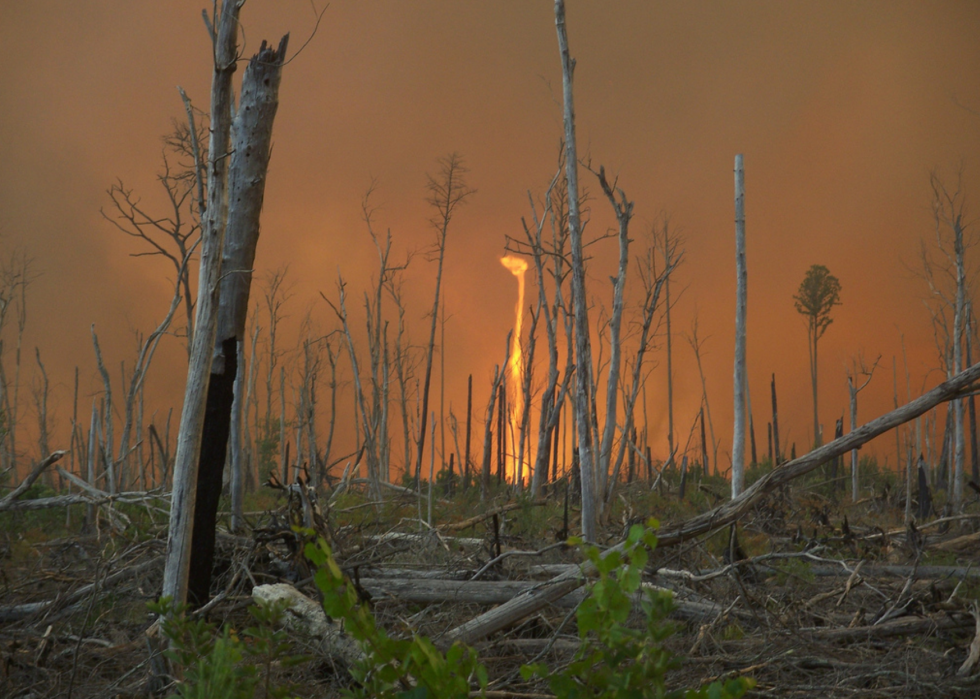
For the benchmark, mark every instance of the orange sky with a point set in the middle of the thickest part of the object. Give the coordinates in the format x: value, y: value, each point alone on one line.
x: 841, y: 110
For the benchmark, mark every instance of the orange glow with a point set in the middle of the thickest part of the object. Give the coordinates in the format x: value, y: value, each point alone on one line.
x: 515, y: 364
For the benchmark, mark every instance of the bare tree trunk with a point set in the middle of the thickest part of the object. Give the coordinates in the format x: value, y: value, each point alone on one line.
x: 42, y: 409
x: 110, y: 470
x: 670, y: 367
x: 853, y: 389
x: 446, y: 195
x: 972, y: 401
x: 696, y: 344
x: 495, y: 386
x: 92, y: 445
x: 738, y: 441
x: 469, y: 421
x: 184, y: 494
x: 583, y: 353
x: 246, y: 179
x: 958, y: 323
x: 775, y: 424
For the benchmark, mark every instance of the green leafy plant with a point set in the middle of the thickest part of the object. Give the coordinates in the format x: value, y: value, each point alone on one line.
x: 224, y: 665
x: 616, y: 661
x: 410, y: 668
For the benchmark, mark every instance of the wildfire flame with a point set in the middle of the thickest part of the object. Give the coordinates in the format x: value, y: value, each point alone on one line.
x: 515, y: 364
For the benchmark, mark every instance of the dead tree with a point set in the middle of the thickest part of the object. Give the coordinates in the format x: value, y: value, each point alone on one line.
x: 738, y: 440
x: 495, y: 386
x: 236, y: 183
x: 859, y: 367
x: 583, y: 353
x: 654, y: 282
x: 551, y: 397
x: 176, y: 235
x: 446, y: 195
x: 529, y: 602
x: 777, y: 459
x: 697, y: 344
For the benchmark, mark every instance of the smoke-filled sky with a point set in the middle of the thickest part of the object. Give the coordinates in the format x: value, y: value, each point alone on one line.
x: 841, y: 110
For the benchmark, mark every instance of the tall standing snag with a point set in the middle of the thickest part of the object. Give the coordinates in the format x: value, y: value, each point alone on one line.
x: 738, y: 441
x: 249, y: 165
x: 446, y: 194
x: 583, y: 351
x: 224, y: 37
x: 236, y: 185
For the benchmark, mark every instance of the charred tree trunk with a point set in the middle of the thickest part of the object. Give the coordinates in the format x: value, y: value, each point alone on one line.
x: 246, y: 188
x: 189, y: 440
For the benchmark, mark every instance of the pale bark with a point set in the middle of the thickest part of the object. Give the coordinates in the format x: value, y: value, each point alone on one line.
x: 624, y: 212
x: 544, y: 594
x: 853, y: 389
x: 235, y: 455
x: 738, y: 440
x: 446, y: 195
x: 177, y: 568
x: 583, y: 353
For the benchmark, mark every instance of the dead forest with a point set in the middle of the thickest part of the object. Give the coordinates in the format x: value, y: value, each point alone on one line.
x: 318, y: 518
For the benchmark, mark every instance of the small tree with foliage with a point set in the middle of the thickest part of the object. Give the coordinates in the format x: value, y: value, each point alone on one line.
x: 818, y: 294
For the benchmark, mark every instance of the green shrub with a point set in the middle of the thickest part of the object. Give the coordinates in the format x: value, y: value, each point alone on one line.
x: 615, y: 661
x: 410, y: 668
x: 224, y: 666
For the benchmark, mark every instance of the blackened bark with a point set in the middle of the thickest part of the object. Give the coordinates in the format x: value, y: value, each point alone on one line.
x: 217, y: 426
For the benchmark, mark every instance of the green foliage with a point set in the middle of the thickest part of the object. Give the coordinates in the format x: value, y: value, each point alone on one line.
x: 819, y: 292
x: 411, y: 668
x: 225, y: 666
x: 613, y: 659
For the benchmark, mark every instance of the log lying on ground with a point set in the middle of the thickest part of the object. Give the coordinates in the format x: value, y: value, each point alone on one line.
x: 11, y: 497
x: 904, y: 626
x: 529, y: 602
x: 306, y: 618
x: 428, y: 591
x: 472, y: 521
x: 101, y: 587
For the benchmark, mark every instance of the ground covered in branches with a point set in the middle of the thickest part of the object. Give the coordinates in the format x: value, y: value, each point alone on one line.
x: 813, y: 596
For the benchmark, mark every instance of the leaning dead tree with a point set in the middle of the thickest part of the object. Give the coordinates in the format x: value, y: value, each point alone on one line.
x: 251, y: 149
x: 235, y: 186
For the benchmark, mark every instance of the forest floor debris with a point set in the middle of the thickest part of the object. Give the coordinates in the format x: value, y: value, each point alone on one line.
x: 813, y: 597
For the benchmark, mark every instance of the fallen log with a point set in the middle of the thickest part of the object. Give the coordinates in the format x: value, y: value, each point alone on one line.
x: 476, y: 519
x: 904, y: 626
x: 306, y: 618
x: 529, y: 602
x: 12, y: 496
x: 22, y: 611
x: 428, y: 591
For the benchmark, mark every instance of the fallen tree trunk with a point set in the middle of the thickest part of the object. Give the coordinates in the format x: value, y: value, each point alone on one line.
x: 306, y: 618
x: 22, y: 611
x: 905, y: 626
x: 428, y: 591
x: 534, y: 599
x: 11, y: 497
